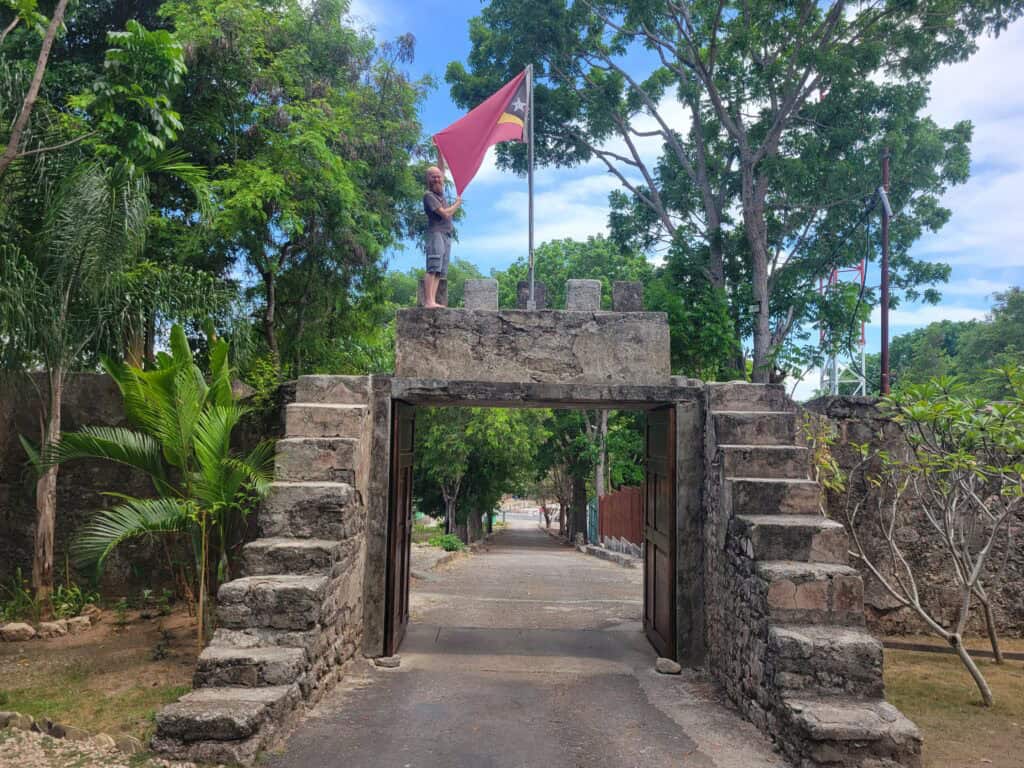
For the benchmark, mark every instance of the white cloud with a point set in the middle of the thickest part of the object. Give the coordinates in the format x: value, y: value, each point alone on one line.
x: 974, y: 286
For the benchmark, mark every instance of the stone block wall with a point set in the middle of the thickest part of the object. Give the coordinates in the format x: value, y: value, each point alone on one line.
x: 90, y: 399
x: 858, y: 420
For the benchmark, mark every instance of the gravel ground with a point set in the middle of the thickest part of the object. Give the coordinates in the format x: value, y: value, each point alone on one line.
x: 25, y: 749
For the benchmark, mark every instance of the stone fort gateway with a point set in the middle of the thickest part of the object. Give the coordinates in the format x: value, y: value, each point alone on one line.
x: 742, y: 574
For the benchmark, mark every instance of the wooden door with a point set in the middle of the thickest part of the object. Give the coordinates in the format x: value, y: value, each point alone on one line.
x: 660, y: 530
x: 403, y: 421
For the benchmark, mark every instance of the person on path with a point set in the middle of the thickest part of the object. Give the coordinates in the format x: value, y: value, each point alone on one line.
x: 439, y: 235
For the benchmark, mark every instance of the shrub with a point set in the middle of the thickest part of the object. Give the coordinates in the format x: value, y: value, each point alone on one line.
x: 70, y: 600
x: 449, y: 542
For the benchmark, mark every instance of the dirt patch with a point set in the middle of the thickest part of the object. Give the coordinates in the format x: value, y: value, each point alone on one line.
x: 109, y: 679
x: 937, y: 693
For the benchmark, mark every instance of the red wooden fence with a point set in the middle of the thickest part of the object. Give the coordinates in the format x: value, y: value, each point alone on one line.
x: 621, y: 514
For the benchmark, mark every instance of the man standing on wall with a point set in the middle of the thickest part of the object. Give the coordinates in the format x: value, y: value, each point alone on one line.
x: 439, y: 235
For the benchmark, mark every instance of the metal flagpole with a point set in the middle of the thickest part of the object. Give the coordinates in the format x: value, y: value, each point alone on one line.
x: 532, y: 301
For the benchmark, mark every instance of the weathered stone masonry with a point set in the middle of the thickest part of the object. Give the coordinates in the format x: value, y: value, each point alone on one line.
x: 765, y: 599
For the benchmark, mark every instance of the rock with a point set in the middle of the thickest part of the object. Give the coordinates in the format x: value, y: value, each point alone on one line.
x: 16, y: 632
x: 93, y: 612
x: 129, y: 744
x: 21, y: 722
x: 48, y: 629
x: 6, y: 717
x: 78, y: 624
x: 71, y: 733
x: 388, y: 662
x: 667, y: 666
x: 104, y: 741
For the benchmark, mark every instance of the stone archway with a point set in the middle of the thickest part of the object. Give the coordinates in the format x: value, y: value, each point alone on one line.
x: 763, y: 595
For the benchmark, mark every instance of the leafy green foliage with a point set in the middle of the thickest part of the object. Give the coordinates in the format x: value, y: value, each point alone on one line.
x: 17, y: 601
x: 181, y: 438
x: 130, y: 103
x: 969, y: 350
x: 763, y: 179
x: 449, y: 542
x: 69, y: 600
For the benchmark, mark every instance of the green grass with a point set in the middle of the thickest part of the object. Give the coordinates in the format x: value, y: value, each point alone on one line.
x: 421, y: 532
x: 936, y: 692
x: 67, y: 698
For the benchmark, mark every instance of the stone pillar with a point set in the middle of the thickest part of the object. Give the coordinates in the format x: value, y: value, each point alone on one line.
x: 442, y: 293
x: 540, y: 293
x: 480, y: 294
x: 583, y: 295
x: 627, y: 296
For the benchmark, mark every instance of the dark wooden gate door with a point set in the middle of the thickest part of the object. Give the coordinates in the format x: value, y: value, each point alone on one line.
x: 660, y: 530
x: 403, y: 419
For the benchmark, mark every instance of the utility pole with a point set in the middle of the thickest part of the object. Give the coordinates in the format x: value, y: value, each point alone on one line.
x: 886, y: 215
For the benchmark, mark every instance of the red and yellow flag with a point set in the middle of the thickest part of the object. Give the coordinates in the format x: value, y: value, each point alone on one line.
x: 502, y: 117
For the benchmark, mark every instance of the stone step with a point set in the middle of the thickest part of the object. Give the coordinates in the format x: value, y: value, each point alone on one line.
x: 307, y: 641
x: 223, y: 725
x: 344, y: 390
x: 812, y: 593
x: 755, y: 427
x: 276, y: 602
x: 225, y: 665
x: 741, y: 396
x: 847, y: 731
x: 779, y: 461
x: 311, y: 510
x: 817, y: 660
x: 771, y: 496
x: 326, y: 459
x: 283, y: 555
x: 324, y: 420
x: 792, y: 537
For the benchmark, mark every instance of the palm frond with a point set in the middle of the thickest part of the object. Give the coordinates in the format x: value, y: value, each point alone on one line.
x: 134, y: 519
x: 212, y: 443
x: 125, y: 446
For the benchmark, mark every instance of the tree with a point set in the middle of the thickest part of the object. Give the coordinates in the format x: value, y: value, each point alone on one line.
x: 965, y: 469
x: 308, y: 129
x: 557, y: 261
x: 74, y: 221
x: 468, y: 458
x: 785, y: 110
x: 25, y: 11
x: 182, y: 441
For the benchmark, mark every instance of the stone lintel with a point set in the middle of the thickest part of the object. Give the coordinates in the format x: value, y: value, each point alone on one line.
x: 533, y: 346
x: 541, y: 395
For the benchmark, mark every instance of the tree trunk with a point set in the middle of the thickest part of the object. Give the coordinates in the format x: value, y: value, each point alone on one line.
x: 270, y: 284
x: 474, y: 527
x: 46, y: 495
x: 150, y: 340
x: 757, y: 239
x: 602, y: 453
x: 14, y: 142
x: 449, y: 514
x: 579, y: 509
x: 135, y: 343
x: 979, y: 679
x: 990, y: 627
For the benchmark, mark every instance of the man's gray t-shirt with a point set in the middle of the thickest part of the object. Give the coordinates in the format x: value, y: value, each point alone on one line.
x: 436, y: 222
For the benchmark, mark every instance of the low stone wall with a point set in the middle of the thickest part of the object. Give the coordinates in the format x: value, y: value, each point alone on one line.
x: 858, y: 420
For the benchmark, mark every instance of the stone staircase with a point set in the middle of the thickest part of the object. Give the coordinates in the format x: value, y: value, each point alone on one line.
x: 287, y: 627
x: 789, y: 611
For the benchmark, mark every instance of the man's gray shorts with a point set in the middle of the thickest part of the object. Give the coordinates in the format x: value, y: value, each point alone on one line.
x: 439, y: 249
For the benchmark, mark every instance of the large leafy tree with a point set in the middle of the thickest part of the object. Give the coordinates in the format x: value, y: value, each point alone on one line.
x: 746, y: 136
x: 73, y: 220
x: 308, y: 128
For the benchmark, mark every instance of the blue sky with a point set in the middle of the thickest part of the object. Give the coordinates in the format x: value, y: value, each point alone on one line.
x: 982, y: 241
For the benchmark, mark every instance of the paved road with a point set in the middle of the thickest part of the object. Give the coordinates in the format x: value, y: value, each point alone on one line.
x: 525, y: 654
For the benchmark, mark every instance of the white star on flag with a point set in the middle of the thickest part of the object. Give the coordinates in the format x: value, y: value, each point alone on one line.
x: 519, y: 105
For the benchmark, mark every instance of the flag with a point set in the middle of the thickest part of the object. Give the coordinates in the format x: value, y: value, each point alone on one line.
x: 502, y: 117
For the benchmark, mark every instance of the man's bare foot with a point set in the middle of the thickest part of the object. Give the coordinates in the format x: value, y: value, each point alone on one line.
x: 432, y: 306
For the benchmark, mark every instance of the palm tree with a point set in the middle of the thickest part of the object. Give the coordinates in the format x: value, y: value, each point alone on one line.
x: 182, y: 440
